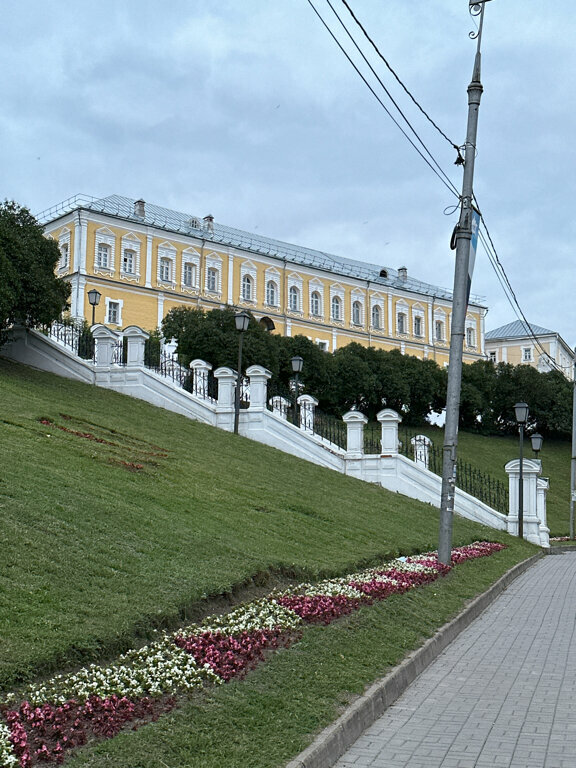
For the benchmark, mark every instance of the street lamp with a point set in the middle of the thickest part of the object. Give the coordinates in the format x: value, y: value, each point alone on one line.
x: 242, y: 320
x: 94, y: 297
x: 297, y: 363
x: 521, y: 411
x: 536, y: 441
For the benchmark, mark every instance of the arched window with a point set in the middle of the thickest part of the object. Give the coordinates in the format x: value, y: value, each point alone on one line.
x: 439, y: 330
x: 315, y: 303
x: 247, y: 286
x: 470, y: 337
x: 294, y: 298
x: 401, y: 324
x: 376, y: 321
x: 165, y: 270
x: 357, y: 313
x: 103, y: 255
x: 336, y: 308
x: 271, y: 293
x: 417, y: 326
x: 212, y: 279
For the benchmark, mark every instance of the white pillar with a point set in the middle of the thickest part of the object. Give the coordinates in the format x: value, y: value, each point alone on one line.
x: 355, y: 422
x: 389, y: 421
x: 258, y: 376
x: 104, y: 340
x: 136, y: 342
x: 531, y: 468
x: 307, y: 405
x: 226, y: 391
x: 542, y: 486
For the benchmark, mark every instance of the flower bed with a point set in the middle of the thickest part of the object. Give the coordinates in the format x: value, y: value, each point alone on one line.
x: 98, y: 702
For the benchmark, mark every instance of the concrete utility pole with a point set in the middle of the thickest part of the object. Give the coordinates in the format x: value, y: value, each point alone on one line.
x: 573, y: 462
x: 462, y: 278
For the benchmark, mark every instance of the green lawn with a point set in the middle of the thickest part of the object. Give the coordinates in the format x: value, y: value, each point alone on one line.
x: 119, y: 518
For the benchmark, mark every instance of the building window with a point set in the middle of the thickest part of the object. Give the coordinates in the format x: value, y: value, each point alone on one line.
x: 439, y: 330
x: 323, y: 345
x: 357, y: 313
x: 113, y: 313
x: 470, y: 337
x: 128, y: 261
x: 166, y: 270
x: 189, y: 276
x: 527, y: 354
x: 315, y: 303
x: 401, y: 323
x: 64, y: 255
x: 492, y: 356
x: 376, y: 317
x: 294, y: 298
x: 418, y: 326
x: 271, y: 293
x: 103, y: 256
x: 212, y: 279
x: 336, y: 308
x: 247, y: 288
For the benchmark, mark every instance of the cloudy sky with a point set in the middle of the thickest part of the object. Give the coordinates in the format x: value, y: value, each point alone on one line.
x: 247, y: 109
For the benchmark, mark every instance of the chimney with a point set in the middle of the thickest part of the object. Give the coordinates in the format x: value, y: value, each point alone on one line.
x: 402, y: 274
x: 139, y: 209
x: 209, y: 223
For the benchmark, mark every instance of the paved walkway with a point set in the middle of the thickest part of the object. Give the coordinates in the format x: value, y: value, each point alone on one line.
x: 503, y: 694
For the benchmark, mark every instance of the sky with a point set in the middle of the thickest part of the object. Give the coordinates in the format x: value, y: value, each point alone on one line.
x: 248, y: 110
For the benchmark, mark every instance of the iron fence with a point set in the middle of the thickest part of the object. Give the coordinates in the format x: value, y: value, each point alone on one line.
x: 372, y: 438
x: 481, y: 485
x: 77, y: 339
x: 119, y: 352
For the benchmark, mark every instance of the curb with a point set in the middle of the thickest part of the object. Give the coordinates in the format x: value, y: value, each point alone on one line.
x: 334, y: 740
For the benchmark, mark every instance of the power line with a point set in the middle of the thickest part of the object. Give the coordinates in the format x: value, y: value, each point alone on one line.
x: 449, y: 185
x: 494, y: 259
x: 387, y: 92
x: 373, y: 44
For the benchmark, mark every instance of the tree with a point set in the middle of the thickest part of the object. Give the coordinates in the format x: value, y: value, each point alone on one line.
x: 30, y: 292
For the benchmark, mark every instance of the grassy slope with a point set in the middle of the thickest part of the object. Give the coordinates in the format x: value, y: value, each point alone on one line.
x: 96, y: 555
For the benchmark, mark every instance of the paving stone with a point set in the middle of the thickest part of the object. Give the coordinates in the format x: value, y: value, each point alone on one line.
x: 502, y: 695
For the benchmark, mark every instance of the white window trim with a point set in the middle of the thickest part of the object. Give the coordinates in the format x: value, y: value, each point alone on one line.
x: 276, y: 302
x: 120, y: 303
x: 356, y: 296
x: 105, y: 236
x: 64, y: 239
x: 295, y: 281
x: 131, y: 243
x: 190, y: 256
x: 166, y: 252
x: 214, y: 262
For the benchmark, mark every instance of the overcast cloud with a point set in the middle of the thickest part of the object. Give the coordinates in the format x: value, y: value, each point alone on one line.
x: 248, y: 110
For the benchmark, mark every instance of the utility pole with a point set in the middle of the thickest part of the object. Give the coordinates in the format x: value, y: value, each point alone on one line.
x: 573, y: 462
x: 462, y: 277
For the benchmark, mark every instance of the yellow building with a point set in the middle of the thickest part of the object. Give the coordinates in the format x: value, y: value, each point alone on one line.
x: 145, y: 260
x: 520, y: 343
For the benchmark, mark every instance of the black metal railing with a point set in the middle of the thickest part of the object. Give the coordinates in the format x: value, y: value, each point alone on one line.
x: 373, y: 438
x: 322, y: 424
x: 470, y: 479
x: 244, y: 392
x: 120, y: 352
x: 77, y: 339
x: 169, y: 367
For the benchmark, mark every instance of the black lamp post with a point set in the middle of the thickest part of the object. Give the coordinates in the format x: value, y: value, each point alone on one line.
x: 297, y: 363
x: 242, y: 320
x: 521, y: 410
x: 536, y: 441
x: 94, y: 297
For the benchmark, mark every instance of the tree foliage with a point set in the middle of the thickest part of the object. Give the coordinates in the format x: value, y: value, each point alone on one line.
x: 369, y: 379
x: 30, y: 292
